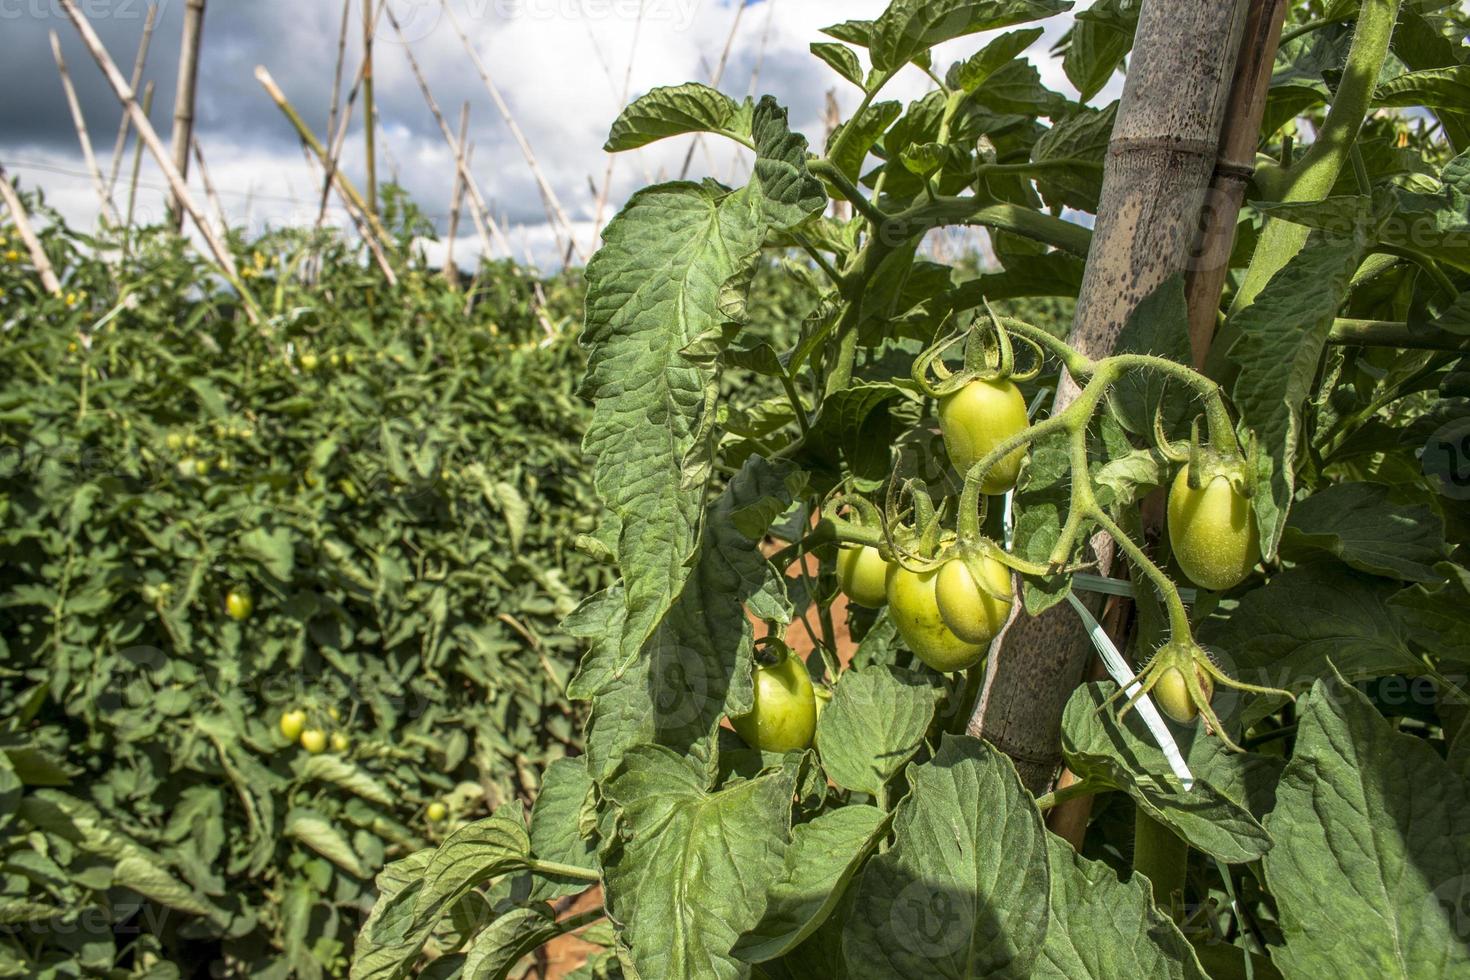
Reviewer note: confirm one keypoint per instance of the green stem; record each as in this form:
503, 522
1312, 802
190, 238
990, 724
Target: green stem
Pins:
1392, 333
796, 405
1081, 787
1311, 178
1026, 222
1424, 262
849, 190
1159, 855
563, 870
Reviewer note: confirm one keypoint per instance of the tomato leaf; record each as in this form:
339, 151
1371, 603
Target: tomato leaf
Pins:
1373, 835
875, 724
909, 28
677, 109
689, 868
1357, 523
962, 892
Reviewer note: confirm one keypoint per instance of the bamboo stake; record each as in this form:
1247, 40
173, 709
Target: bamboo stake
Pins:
549, 198
137, 169
335, 154
607, 174
337, 71
155, 146
755, 74
28, 236
83, 137
368, 109
456, 203
1233, 170
1160, 160
139, 62
209, 191
188, 81
714, 82
348, 189
456, 146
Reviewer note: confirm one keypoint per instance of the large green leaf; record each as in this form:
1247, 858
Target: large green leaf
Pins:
909, 28
556, 824
1439, 615
1280, 341
875, 724
963, 890
688, 870
1371, 871
677, 109
1357, 523
821, 860
653, 333
1102, 928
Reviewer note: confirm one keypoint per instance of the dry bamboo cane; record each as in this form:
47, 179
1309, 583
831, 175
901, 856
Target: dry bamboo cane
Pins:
1233, 171
1160, 160
456, 146
347, 188
28, 235
155, 146
344, 124
336, 104
368, 109
188, 81
607, 174
137, 170
209, 191
456, 202
140, 61
83, 137
555, 212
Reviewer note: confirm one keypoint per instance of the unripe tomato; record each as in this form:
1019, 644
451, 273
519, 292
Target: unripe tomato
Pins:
174, 441
436, 812
970, 612
186, 467
1212, 532
1172, 694
292, 722
308, 362
862, 575
238, 605
976, 419
914, 606
314, 740
784, 716
340, 742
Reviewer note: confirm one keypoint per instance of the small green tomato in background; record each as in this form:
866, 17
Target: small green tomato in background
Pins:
784, 716
314, 740
862, 575
976, 419
914, 606
174, 441
292, 722
340, 742
1212, 532
971, 613
1172, 694
436, 812
309, 362
239, 605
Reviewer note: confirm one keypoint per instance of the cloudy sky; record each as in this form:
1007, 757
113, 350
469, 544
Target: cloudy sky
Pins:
560, 65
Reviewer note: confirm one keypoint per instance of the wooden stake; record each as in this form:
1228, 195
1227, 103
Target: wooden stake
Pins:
183, 135
1160, 160
456, 203
155, 146
139, 62
368, 109
137, 169
549, 198
28, 236
83, 137
714, 82
209, 192
1233, 170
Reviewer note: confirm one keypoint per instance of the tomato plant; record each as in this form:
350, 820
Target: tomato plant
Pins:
884, 415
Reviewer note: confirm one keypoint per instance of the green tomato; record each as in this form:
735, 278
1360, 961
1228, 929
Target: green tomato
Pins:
340, 742
914, 605
976, 419
292, 722
1212, 533
309, 362
862, 575
174, 441
187, 467
436, 812
784, 717
314, 740
970, 612
1172, 694
239, 605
